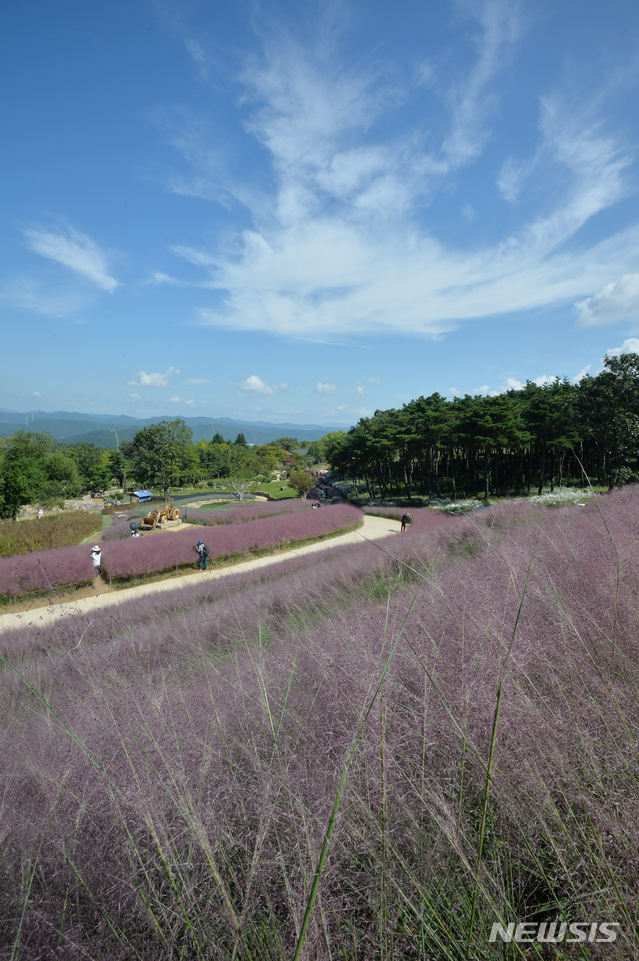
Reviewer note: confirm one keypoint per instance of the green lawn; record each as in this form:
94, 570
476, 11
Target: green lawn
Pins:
273, 488
223, 486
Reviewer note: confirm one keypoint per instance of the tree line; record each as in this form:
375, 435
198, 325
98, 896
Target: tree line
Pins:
514, 442
34, 469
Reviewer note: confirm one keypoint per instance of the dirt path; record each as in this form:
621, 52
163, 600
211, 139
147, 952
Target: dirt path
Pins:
101, 596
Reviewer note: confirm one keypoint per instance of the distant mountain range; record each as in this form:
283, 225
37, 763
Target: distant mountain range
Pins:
101, 429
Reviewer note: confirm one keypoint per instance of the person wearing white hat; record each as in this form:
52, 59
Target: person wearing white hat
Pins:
96, 557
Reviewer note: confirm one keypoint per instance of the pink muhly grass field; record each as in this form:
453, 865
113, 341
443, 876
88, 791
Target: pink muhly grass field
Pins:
42, 570
215, 724
161, 552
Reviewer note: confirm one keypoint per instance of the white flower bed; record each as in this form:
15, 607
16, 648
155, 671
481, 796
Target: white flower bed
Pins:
562, 495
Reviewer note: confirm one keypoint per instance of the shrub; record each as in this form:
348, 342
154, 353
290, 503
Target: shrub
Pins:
46, 533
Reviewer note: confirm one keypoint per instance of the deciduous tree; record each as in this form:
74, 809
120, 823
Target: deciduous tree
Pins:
301, 481
164, 455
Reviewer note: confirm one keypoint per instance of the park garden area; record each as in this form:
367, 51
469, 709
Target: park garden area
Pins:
376, 752
248, 531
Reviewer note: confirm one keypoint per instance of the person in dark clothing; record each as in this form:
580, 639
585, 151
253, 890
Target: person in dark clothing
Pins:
203, 551
405, 521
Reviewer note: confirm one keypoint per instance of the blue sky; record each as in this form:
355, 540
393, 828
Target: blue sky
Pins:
305, 212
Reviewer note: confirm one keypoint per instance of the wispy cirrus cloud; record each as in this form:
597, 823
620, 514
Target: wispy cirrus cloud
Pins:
474, 98
62, 300
200, 258
74, 250
342, 240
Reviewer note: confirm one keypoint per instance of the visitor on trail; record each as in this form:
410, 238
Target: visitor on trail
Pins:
405, 521
203, 551
133, 528
96, 557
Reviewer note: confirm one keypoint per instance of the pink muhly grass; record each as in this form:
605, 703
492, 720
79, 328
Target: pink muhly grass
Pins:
215, 735
43, 570
166, 550
421, 518
248, 512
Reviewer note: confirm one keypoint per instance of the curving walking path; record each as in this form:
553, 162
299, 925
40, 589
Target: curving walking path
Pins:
373, 528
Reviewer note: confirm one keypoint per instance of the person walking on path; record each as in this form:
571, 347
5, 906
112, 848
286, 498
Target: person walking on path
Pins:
96, 557
203, 551
405, 521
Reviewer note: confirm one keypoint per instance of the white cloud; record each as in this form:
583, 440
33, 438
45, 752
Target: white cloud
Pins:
333, 274
629, 346
473, 98
616, 301
132, 398
256, 385
36, 393
175, 400
357, 390
198, 257
161, 278
75, 250
192, 381
325, 387
347, 242
153, 380
511, 178
59, 301
512, 384
584, 370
